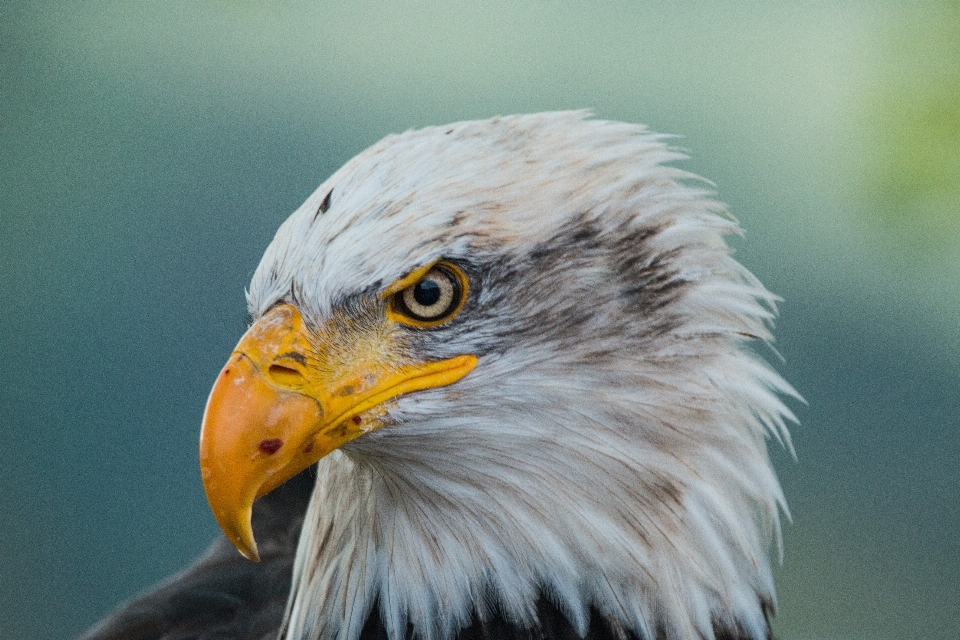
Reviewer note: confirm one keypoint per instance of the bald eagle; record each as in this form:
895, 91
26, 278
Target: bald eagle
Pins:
507, 365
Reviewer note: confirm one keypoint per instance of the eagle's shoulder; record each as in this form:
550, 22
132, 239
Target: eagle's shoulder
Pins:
223, 595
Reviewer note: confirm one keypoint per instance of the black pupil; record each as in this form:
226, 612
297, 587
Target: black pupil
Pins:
426, 292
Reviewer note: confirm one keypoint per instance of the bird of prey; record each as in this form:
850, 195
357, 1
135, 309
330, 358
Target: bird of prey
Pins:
509, 366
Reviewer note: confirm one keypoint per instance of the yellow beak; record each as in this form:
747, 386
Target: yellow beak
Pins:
283, 401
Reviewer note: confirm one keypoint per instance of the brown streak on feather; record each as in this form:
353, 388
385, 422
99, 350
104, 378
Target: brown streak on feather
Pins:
324, 205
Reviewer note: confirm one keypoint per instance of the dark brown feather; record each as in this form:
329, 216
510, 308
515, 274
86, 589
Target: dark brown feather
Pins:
551, 625
223, 595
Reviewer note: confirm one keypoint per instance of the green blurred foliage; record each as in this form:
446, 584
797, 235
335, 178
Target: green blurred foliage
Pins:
913, 159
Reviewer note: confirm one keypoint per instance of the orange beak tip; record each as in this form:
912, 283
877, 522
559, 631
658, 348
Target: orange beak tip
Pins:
247, 551
239, 531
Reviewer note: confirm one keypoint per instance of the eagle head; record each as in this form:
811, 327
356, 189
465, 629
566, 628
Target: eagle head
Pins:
518, 352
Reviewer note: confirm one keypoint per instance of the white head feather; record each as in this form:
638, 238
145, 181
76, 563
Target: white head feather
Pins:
607, 452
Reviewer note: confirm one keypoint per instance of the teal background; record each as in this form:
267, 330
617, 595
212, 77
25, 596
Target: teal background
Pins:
148, 152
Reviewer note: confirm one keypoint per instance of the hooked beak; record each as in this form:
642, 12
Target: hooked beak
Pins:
281, 404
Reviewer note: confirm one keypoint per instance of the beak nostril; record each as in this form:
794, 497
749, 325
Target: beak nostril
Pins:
285, 376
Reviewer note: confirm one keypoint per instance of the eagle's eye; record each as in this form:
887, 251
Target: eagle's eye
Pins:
434, 298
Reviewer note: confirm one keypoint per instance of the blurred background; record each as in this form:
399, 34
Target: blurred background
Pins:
148, 152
